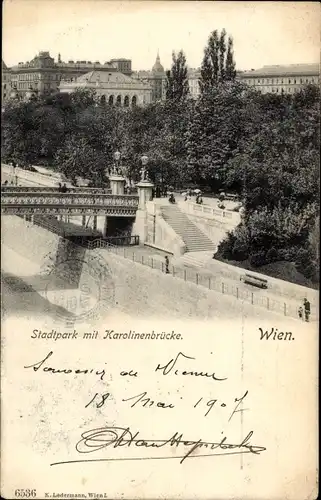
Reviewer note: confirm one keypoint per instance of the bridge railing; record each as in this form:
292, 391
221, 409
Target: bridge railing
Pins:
114, 241
52, 189
57, 202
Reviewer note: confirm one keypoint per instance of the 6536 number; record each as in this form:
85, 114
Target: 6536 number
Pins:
22, 493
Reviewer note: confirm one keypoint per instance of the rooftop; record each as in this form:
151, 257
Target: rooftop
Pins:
289, 69
105, 77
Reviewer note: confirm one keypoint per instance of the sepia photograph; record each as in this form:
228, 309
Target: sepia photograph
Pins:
160, 249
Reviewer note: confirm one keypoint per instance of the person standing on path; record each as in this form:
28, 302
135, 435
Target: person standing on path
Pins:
307, 309
300, 312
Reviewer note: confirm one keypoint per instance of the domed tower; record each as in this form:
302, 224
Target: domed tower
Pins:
158, 68
158, 80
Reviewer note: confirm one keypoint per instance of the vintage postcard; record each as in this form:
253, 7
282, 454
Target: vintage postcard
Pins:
160, 250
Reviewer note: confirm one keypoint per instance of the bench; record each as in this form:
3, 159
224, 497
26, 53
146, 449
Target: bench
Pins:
232, 197
254, 280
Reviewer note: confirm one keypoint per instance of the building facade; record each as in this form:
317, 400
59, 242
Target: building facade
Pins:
5, 82
277, 79
123, 65
43, 74
111, 88
193, 82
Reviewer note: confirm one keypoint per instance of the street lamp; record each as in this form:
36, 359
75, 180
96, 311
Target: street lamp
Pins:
144, 160
117, 159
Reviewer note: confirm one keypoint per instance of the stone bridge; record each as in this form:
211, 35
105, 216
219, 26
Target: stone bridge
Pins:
31, 202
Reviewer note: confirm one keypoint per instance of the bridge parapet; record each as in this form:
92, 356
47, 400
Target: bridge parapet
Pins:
78, 203
53, 189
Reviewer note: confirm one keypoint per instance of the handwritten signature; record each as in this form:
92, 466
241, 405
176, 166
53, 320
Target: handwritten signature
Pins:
103, 437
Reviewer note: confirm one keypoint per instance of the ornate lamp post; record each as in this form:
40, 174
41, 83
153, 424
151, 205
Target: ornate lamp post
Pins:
143, 172
116, 179
117, 162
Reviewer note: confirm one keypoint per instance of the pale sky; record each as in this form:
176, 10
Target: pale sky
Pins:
100, 30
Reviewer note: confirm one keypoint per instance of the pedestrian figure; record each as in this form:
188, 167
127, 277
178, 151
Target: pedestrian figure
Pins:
167, 264
300, 312
64, 188
307, 309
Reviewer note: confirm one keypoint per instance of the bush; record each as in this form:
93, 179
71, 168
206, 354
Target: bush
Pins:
258, 259
272, 255
289, 254
304, 263
225, 248
240, 251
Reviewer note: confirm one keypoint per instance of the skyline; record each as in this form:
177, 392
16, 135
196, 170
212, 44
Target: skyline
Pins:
263, 34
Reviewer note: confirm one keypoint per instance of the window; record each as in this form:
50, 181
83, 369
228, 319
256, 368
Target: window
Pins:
126, 101
111, 100
118, 100
294, 80
134, 100
289, 80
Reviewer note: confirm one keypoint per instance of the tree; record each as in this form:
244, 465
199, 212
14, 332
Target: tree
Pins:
218, 64
214, 133
230, 72
277, 169
78, 158
176, 79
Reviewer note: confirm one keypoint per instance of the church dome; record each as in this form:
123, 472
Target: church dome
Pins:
158, 68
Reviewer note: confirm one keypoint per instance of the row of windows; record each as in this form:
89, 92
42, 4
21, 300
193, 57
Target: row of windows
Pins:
279, 90
273, 81
30, 77
26, 85
118, 101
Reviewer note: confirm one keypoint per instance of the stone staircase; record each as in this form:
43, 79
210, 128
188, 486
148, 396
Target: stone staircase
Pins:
193, 237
